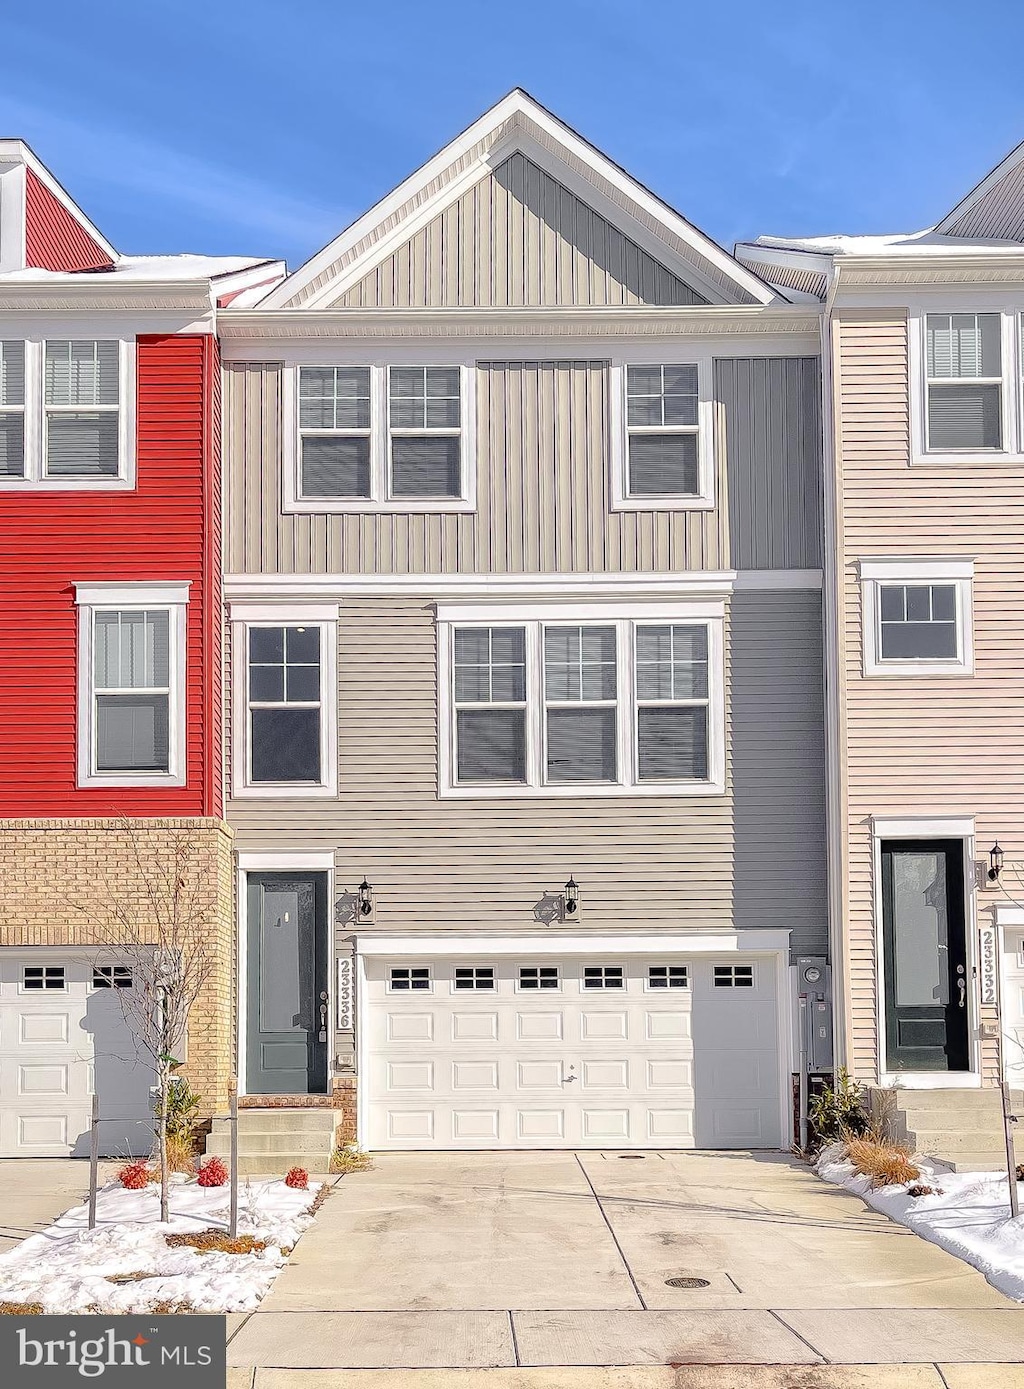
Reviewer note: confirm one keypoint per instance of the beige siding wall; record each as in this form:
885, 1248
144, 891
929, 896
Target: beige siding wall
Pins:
941, 745
518, 238
543, 491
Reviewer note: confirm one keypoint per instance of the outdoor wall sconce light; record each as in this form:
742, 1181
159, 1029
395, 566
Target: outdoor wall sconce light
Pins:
995, 862
365, 898
571, 897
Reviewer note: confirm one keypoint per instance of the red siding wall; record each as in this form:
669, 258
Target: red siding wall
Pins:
168, 528
54, 240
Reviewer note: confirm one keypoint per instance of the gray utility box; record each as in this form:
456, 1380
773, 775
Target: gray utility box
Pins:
814, 981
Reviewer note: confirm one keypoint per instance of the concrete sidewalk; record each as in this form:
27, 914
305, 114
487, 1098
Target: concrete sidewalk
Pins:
929, 1376
512, 1267
35, 1191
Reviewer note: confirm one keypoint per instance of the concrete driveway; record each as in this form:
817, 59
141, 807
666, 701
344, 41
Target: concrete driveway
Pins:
475, 1261
34, 1192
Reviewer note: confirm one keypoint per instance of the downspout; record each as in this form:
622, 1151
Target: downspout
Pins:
835, 720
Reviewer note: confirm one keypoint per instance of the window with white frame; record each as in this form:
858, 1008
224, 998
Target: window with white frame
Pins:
733, 976
66, 413
556, 706
285, 705
603, 977
403, 978
668, 977
43, 977
917, 617
132, 684
662, 449
964, 382
12, 409
474, 976
538, 977
371, 437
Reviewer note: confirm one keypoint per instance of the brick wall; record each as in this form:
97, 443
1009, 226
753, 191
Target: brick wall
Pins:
77, 881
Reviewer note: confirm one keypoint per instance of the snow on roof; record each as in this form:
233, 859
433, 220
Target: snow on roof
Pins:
921, 243
148, 269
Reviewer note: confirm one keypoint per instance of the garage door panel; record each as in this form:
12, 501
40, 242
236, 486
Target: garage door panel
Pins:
581, 1067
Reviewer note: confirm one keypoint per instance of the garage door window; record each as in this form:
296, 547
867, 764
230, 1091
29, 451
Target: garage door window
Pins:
43, 977
668, 977
402, 979
734, 976
474, 977
111, 977
538, 977
602, 977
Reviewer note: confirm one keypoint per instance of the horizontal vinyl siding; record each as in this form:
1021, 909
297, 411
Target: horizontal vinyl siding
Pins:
518, 238
769, 428
778, 765
943, 745
643, 862
542, 479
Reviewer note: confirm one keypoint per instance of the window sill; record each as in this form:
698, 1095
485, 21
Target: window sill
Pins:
298, 791
367, 506
993, 459
67, 484
916, 671
665, 503
581, 789
113, 780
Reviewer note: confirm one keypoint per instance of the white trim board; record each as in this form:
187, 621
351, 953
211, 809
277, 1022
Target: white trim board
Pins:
747, 942
314, 861
923, 827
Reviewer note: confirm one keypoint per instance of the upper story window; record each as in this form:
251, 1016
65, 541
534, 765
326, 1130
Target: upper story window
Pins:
964, 382
554, 706
66, 414
379, 438
917, 616
285, 704
131, 684
662, 441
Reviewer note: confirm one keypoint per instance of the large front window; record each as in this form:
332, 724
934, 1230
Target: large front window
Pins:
560, 706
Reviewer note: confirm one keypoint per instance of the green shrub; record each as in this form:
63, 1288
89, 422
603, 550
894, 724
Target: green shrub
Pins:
837, 1111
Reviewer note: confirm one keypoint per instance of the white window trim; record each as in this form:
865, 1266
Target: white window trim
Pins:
1012, 408
874, 573
410, 992
243, 617
556, 988
704, 498
380, 499
172, 597
619, 989
43, 990
474, 988
668, 987
624, 616
35, 479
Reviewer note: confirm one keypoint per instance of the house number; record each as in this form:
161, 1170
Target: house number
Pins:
345, 1010
987, 963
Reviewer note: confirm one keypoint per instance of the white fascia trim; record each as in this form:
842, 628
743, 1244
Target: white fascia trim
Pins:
319, 860
897, 568
515, 611
96, 595
767, 942
290, 588
754, 579
922, 827
12, 216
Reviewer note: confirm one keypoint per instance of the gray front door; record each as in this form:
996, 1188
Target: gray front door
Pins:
286, 1052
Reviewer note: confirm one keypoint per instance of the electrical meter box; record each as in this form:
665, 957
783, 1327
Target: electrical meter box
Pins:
814, 981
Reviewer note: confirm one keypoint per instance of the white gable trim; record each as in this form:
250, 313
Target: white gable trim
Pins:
493, 133
17, 152
996, 175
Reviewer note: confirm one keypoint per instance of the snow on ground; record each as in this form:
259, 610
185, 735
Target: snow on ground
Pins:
66, 1267
971, 1218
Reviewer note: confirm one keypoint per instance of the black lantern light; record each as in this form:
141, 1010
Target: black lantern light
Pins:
572, 897
995, 862
365, 898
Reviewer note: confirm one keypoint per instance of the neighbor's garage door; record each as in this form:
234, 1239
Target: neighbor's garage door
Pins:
62, 1033
571, 1053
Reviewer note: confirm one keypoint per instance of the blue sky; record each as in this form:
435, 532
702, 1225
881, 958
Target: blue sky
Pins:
264, 127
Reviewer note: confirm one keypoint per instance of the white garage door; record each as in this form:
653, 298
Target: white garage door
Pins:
62, 1034
571, 1053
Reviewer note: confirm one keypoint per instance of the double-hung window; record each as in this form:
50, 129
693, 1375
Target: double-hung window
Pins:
379, 438
67, 413
662, 436
964, 382
596, 705
284, 711
131, 715
917, 616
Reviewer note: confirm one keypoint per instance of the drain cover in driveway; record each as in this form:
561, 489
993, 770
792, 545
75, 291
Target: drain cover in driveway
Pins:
687, 1283
637, 1157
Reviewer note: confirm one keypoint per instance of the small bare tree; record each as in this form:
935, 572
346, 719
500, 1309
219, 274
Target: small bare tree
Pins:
157, 923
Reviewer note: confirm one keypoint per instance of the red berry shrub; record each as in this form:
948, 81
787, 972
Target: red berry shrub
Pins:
297, 1177
134, 1176
213, 1173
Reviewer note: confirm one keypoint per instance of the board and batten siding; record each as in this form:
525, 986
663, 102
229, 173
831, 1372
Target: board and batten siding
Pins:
937, 745
651, 863
517, 238
543, 483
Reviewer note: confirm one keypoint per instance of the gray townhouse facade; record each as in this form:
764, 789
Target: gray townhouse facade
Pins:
523, 562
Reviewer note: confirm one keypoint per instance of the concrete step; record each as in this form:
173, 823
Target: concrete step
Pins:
960, 1101
969, 1139
280, 1121
281, 1143
299, 1155
987, 1160
264, 1165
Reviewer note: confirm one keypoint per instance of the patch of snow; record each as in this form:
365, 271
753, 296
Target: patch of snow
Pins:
927, 242
145, 269
969, 1216
66, 1267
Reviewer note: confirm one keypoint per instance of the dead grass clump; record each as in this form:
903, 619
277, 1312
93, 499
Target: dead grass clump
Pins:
319, 1199
349, 1158
181, 1153
170, 1309
921, 1189
21, 1309
887, 1164
217, 1242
